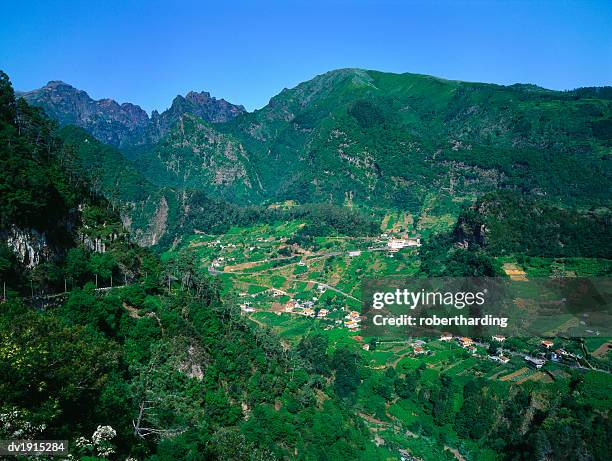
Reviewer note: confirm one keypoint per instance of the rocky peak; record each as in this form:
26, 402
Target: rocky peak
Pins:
52, 84
199, 98
204, 106
126, 124
105, 119
200, 104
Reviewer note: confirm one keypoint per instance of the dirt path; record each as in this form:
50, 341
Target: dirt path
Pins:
514, 272
396, 361
373, 420
455, 452
132, 311
329, 287
518, 372
258, 322
602, 350
237, 268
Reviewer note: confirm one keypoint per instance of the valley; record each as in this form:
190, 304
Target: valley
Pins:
299, 292
241, 241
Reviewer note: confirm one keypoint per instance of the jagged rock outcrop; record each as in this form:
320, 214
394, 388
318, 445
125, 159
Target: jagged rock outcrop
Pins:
201, 105
30, 246
108, 121
124, 125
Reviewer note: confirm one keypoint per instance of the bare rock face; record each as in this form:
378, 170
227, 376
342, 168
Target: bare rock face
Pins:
124, 125
108, 121
201, 105
30, 246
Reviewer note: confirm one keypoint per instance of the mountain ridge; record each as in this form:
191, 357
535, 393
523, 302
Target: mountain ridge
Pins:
381, 140
125, 124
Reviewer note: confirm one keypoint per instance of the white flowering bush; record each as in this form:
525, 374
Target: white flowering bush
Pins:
100, 443
16, 424
103, 434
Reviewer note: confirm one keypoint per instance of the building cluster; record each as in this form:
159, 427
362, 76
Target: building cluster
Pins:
352, 320
300, 307
557, 355
536, 362
418, 347
499, 356
275, 292
306, 308
464, 342
561, 355
467, 344
396, 244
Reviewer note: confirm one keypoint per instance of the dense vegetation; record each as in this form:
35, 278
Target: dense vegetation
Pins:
175, 371
533, 422
389, 139
172, 365
506, 223
368, 139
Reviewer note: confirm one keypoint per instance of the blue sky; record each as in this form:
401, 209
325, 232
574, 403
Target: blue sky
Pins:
146, 52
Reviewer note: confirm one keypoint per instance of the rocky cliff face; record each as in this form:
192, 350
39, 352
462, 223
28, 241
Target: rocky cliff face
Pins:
194, 155
124, 125
108, 121
29, 245
201, 105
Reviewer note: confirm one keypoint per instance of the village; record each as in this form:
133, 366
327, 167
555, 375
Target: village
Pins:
274, 276
298, 290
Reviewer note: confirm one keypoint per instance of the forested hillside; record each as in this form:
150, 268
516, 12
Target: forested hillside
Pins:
375, 140
365, 137
157, 368
234, 337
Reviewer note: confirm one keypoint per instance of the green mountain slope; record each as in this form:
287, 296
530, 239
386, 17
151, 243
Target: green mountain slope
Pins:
145, 208
371, 139
194, 155
390, 137
377, 139
158, 368
48, 208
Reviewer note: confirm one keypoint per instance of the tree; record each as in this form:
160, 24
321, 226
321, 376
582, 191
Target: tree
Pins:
7, 99
345, 362
77, 265
313, 349
229, 444
102, 265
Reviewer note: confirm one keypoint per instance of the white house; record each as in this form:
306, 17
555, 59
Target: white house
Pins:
397, 244
500, 358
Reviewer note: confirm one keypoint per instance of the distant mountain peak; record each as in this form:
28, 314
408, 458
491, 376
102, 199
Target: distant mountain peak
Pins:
56, 83
124, 124
200, 104
201, 97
